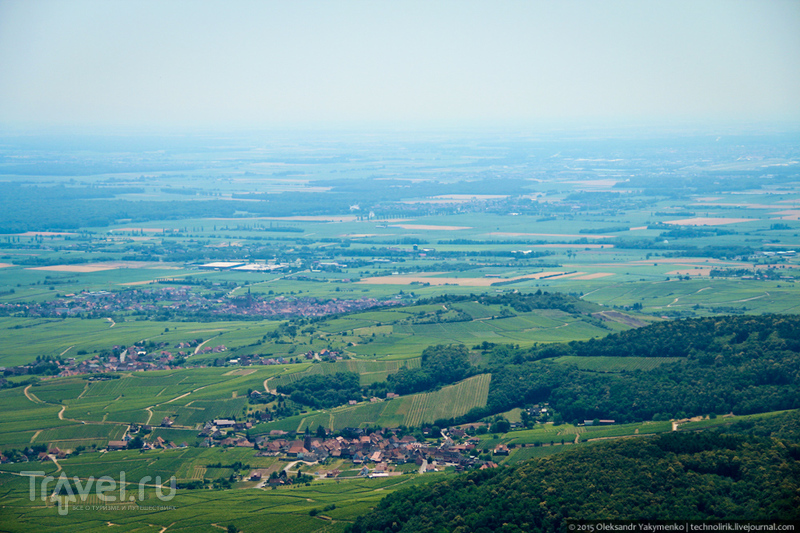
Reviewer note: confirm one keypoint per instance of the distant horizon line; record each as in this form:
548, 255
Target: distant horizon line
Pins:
516, 127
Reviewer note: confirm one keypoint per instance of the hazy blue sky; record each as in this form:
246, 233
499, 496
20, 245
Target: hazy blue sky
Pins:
264, 64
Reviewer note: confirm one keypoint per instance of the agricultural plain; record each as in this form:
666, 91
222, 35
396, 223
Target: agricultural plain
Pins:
138, 301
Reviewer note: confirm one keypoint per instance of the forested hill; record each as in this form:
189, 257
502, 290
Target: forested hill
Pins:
739, 364
677, 476
683, 338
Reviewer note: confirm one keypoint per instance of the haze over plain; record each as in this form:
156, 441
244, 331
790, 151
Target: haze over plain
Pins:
152, 65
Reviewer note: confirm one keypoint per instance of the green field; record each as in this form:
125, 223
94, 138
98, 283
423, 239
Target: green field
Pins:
72, 412
250, 510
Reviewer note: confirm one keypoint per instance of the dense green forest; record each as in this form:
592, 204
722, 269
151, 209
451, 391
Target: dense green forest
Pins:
441, 365
324, 391
727, 364
687, 338
749, 472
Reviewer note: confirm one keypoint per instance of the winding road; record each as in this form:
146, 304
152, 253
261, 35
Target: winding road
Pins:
31, 396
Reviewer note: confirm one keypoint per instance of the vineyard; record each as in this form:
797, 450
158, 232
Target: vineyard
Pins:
412, 410
452, 401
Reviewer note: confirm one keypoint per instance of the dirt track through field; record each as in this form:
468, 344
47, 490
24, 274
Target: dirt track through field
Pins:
199, 346
29, 395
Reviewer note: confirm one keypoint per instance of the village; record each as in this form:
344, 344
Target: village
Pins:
137, 358
370, 453
168, 300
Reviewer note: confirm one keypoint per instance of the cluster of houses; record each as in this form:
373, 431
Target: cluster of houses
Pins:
376, 452
52, 453
105, 302
323, 355
282, 306
221, 432
132, 359
156, 444
137, 359
184, 299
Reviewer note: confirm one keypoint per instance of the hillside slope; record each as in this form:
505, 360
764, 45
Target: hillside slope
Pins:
678, 476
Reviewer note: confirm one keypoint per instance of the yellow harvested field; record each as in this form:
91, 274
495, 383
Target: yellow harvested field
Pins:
708, 221
309, 218
506, 234
463, 282
428, 227
681, 260
596, 275
539, 275
783, 245
121, 237
284, 188
42, 233
470, 196
571, 245
362, 235
75, 268
789, 214
454, 198
605, 183
742, 205
148, 230
638, 228
5, 265
684, 261
99, 267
